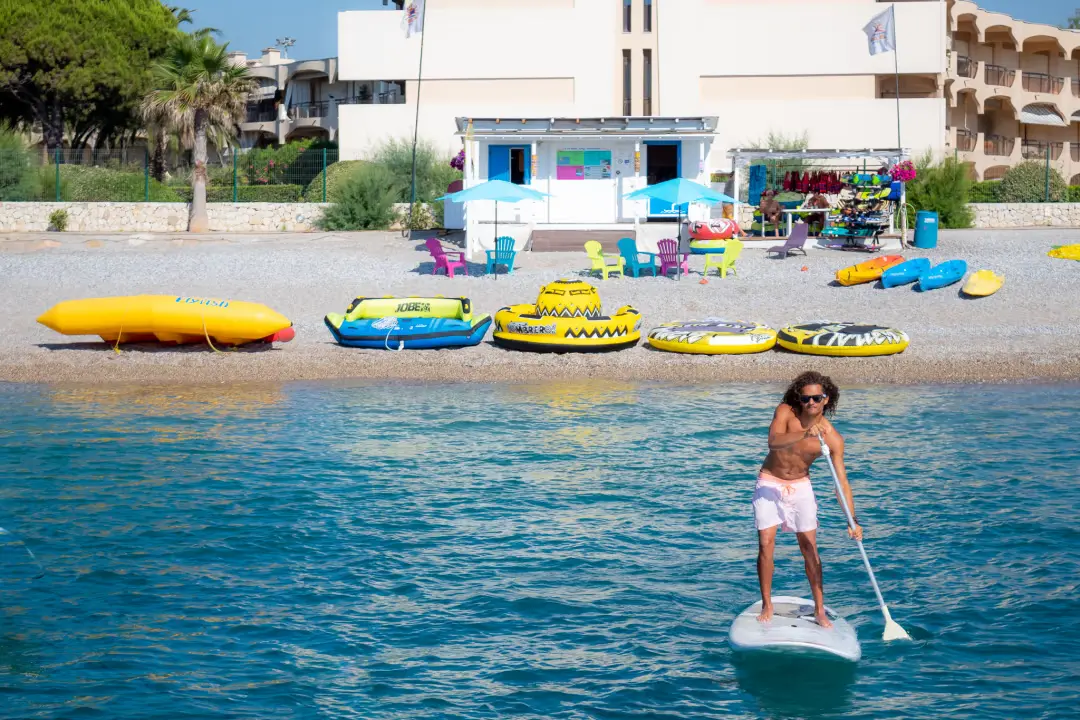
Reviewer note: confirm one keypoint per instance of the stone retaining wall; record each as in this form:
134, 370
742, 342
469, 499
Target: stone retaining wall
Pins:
161, 217
1013, 215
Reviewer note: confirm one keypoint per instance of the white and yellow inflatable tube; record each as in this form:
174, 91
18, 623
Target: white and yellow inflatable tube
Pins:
713, 336
842, 339
567, 317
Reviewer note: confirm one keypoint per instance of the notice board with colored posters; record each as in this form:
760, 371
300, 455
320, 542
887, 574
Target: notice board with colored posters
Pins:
583, 165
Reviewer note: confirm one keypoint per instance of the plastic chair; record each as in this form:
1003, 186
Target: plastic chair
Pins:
628, 249
794, 243
670, 258
503, 254
725, 262
442, 260
604, 262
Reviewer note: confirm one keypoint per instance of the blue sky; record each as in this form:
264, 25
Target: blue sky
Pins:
251, 25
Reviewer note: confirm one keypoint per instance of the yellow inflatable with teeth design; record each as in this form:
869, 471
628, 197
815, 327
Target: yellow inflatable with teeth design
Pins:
567, 317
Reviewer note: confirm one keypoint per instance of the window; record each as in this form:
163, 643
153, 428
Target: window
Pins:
626, 110
646, 21
646, 82
627, 11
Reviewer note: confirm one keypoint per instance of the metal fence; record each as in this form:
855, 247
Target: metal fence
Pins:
1040, 182
271, 175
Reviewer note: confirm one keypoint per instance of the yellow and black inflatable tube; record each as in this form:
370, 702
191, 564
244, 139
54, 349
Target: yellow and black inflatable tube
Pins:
713, 336
567, 317
842, 339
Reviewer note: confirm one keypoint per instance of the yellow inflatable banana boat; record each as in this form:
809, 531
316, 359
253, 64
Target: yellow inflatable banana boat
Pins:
567, 317
169, 319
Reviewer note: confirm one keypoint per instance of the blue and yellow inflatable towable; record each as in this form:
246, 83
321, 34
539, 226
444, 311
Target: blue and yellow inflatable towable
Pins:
567, 317
409, 323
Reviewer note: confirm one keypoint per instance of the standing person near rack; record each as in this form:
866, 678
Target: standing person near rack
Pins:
783, 496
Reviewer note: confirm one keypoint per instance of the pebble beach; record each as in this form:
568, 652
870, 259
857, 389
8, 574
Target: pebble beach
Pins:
1026, 332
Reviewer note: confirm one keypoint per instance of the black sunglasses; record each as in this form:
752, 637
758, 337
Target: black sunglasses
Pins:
816, 398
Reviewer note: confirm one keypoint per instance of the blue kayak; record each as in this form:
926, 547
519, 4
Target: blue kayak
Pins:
394, 333
939, 276
906, 272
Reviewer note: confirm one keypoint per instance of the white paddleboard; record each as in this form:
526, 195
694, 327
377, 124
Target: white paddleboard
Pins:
794, 630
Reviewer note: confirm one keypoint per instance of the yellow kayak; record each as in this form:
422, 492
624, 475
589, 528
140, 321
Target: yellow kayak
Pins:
867, 271
168, 318
1065, 252
983, 283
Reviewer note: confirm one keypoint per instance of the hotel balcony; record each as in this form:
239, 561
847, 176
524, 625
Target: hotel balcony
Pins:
999, 75
1037, 149
966, 67
998, 145
966, 140
1043, 83
309, 110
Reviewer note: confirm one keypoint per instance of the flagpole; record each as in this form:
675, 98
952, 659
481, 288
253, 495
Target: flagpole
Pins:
416, 119
896, 76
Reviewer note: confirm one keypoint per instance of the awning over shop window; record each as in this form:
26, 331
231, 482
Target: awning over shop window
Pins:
1039, 114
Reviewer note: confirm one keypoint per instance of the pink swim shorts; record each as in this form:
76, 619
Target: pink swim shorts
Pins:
787, 503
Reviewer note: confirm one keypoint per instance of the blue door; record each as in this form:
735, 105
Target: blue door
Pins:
663, 161
511, 163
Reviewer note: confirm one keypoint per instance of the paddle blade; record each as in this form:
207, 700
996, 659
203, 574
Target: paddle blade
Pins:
893, 631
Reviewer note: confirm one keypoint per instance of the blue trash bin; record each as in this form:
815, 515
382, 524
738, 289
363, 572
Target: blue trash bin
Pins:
926, 224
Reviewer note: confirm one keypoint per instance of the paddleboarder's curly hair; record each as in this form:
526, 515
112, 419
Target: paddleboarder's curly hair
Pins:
791, 395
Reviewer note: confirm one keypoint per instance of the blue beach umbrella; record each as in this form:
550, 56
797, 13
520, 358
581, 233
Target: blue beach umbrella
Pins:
680, 191
497, 190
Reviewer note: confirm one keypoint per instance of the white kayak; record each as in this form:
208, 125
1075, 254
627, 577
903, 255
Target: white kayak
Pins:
793, 630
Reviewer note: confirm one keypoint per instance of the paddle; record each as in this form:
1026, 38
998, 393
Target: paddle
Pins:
893, 631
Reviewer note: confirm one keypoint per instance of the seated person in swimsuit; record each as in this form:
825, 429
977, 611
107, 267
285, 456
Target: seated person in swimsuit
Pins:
783, 497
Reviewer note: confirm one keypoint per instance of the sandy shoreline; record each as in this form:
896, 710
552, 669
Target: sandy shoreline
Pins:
1027, 332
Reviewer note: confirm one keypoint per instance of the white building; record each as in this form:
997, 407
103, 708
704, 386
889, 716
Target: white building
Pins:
786, 67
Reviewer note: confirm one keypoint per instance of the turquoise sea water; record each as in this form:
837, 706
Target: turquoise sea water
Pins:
542, 551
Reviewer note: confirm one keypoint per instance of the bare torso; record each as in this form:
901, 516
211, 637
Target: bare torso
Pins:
793, 462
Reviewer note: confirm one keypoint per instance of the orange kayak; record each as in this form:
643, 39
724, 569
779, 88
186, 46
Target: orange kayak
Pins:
867, 271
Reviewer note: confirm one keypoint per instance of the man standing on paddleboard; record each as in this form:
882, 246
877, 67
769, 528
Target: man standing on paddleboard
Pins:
783, 497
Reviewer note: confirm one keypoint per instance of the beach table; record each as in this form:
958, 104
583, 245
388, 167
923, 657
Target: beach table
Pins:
798, 211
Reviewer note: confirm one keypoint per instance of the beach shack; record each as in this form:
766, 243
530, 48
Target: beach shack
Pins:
585, 166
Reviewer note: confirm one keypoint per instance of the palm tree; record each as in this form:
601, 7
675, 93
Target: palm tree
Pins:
200, 90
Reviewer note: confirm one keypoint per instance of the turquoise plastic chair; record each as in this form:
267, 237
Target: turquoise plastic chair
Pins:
628, 249
503, 254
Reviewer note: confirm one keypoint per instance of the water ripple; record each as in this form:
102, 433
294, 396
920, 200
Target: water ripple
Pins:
537, 551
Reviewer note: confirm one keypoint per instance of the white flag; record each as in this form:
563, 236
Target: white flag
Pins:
881, 32
414, 18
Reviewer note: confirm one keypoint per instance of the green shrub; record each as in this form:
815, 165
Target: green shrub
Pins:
944, 188
1026, 183
336, 175
365, 201
295, 163
433, 171
80, 183
1074, 193
247, 193
58, 220
17, 176
984, 192
421, 217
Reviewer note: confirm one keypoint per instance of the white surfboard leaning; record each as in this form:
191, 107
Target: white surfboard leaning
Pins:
794, 630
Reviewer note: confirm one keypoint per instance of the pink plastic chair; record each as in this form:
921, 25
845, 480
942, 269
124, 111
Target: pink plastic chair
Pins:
442, 260
669, 258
